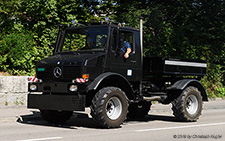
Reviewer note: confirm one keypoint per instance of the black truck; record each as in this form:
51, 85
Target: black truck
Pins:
88, 69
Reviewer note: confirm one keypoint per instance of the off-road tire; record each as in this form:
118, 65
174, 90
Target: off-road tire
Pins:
138, 110
109, 107
56, 117
188, 105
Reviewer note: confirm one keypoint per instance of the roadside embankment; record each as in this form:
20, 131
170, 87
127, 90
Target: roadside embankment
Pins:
13, 90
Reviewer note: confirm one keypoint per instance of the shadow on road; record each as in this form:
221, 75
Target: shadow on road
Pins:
82, 120
77, 120
149, 118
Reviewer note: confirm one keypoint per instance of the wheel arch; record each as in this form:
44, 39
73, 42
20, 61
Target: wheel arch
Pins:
112, 79
182, 84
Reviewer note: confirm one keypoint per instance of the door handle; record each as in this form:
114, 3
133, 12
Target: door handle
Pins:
133, 61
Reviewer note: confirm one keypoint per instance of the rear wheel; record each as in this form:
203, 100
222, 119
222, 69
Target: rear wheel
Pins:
56, 117
109, 107
188, 106
139, 110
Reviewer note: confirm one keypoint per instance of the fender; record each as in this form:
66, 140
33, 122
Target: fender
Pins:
124, 83
182, 84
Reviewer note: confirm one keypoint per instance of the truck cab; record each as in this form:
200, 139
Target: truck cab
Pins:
88, 69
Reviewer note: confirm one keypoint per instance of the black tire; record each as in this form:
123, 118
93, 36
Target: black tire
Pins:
188, 106
109, 107
56, 117
139, 110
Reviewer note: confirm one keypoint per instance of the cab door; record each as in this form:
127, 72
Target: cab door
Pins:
118, 63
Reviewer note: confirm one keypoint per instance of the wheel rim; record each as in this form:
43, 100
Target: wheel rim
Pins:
192, 104
113, 108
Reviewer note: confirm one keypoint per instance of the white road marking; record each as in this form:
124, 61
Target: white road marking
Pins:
42, 139
179, 127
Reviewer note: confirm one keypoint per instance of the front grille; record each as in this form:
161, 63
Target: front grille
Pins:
68, 73
71, 72
47, 74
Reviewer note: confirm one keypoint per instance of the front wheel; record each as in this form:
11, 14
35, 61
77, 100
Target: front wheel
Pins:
188, 106
109, 107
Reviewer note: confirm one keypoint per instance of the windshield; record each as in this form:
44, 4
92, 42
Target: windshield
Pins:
92, 38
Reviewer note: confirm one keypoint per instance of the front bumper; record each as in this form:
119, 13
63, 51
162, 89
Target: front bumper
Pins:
56, 96
56, 87
56, 102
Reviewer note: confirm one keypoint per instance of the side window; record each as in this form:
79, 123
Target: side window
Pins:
122, 39
127, 40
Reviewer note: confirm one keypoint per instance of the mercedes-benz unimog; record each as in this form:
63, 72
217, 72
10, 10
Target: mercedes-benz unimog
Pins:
88, 69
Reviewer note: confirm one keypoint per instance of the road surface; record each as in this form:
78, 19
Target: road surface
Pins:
159, 125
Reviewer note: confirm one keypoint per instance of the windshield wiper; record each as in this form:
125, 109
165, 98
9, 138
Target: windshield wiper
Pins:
76, 53
69, 52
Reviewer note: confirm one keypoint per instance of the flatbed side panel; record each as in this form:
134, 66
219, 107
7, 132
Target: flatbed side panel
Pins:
186, 67
161, 66
56, 102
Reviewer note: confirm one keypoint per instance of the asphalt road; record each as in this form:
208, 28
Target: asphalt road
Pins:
158, 125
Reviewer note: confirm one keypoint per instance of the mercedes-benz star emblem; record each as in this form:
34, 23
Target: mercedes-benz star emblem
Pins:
57, 72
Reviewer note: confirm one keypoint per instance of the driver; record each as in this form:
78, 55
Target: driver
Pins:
126, 49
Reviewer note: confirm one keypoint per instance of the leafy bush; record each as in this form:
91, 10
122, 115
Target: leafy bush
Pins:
19, 53
214, 81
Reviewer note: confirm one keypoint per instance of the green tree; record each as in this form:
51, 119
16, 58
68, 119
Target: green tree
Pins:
38, 21
8, 12
19, 54
172, 28
181, 29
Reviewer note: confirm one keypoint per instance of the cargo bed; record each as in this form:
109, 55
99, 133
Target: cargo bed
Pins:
163, 66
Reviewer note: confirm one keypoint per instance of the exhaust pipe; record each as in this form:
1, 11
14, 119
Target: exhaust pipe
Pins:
154, 98
141, 35
141, 41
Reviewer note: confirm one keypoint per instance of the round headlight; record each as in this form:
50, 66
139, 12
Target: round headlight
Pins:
73, 88
33, 87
